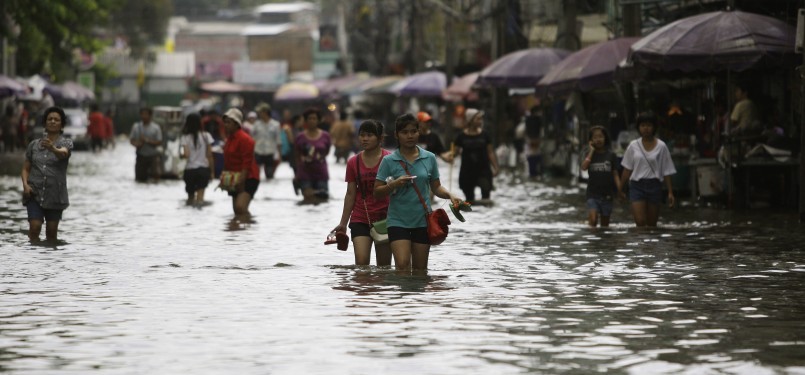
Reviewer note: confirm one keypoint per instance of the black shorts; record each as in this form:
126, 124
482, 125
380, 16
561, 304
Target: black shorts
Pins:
416, 235
196, 179
251, 187
359, 230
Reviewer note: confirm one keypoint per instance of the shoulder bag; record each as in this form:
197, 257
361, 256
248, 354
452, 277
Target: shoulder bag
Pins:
378, 230
436, 220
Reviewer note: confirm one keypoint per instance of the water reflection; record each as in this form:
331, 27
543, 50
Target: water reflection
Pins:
142, 282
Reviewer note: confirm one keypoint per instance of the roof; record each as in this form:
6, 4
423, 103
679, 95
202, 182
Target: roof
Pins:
214, 28
261, 29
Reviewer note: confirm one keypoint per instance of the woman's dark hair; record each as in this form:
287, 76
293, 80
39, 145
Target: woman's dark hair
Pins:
295, 118
192, 125
404, 120
311, 111
61, 114
649, 117
373, 127
607, 140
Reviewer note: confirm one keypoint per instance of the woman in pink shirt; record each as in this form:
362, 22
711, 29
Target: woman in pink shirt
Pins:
361, 208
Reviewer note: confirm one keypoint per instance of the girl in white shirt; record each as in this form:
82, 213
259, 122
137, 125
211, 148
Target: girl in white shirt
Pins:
197, 149
646, 165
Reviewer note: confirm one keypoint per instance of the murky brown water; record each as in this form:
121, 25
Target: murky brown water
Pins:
142, 284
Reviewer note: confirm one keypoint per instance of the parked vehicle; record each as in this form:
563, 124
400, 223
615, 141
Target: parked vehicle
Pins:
171, 120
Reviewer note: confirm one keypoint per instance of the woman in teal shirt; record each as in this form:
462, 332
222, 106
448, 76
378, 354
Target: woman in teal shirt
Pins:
407, 227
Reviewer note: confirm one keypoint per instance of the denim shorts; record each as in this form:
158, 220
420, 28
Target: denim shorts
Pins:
36, 212
603, 206
416, 235
647, 189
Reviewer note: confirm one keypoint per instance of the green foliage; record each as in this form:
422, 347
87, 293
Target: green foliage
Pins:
143, 22
49, 30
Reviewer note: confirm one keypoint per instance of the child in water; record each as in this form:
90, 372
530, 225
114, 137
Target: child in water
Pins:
604, 180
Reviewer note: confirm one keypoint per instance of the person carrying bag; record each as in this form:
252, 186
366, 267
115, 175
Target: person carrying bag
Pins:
402, 176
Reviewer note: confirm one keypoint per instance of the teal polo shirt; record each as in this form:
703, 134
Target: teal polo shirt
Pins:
405, 208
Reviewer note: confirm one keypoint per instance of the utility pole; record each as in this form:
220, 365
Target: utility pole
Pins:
801, 37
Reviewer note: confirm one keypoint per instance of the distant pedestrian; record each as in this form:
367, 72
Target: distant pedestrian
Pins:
361, 208
646, 165
343, 135
312, 147
267, 140
603, 182
410, 164
248, 123
96, 130
239, 159
429, 140
109, 124
146, 136
8, 129
44, 176
196, 146
479, 164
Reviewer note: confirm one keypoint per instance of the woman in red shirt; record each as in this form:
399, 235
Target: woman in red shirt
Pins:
361, 208
239, 157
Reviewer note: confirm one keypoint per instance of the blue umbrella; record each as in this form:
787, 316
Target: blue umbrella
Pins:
522, 68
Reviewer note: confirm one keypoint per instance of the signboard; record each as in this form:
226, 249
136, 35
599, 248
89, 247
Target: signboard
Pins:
263, 73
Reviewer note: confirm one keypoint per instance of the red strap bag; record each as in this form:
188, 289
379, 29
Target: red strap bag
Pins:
436, 220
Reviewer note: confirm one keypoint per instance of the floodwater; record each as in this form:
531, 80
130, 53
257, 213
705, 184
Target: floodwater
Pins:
142, 284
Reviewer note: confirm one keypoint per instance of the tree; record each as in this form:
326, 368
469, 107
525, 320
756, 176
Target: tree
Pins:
142, 22
49, 31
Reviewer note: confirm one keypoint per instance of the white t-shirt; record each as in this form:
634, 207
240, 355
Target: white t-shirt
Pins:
656, 163
197, 153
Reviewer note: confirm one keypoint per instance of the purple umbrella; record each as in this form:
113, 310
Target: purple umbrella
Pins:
9, 86
716, 41
587, 69
296, 92
521, 68
421, 84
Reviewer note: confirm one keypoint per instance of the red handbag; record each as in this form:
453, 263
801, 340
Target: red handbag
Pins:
436, 220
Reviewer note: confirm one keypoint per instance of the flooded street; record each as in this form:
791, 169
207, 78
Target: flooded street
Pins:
142, 284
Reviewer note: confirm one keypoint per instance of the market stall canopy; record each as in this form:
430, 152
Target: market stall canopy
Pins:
73, 90
587, 69
522, 68
225, 87
10, 86
296, 91
421, 84
378, 85
341, 85
461, 88
726, 40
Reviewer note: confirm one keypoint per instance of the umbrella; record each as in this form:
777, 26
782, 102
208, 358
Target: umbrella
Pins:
522, 68
224, 87
462, 87
421, 84
73, 90
716, 41
9, 86
587, 69
334, 87
296, 91
378, 85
